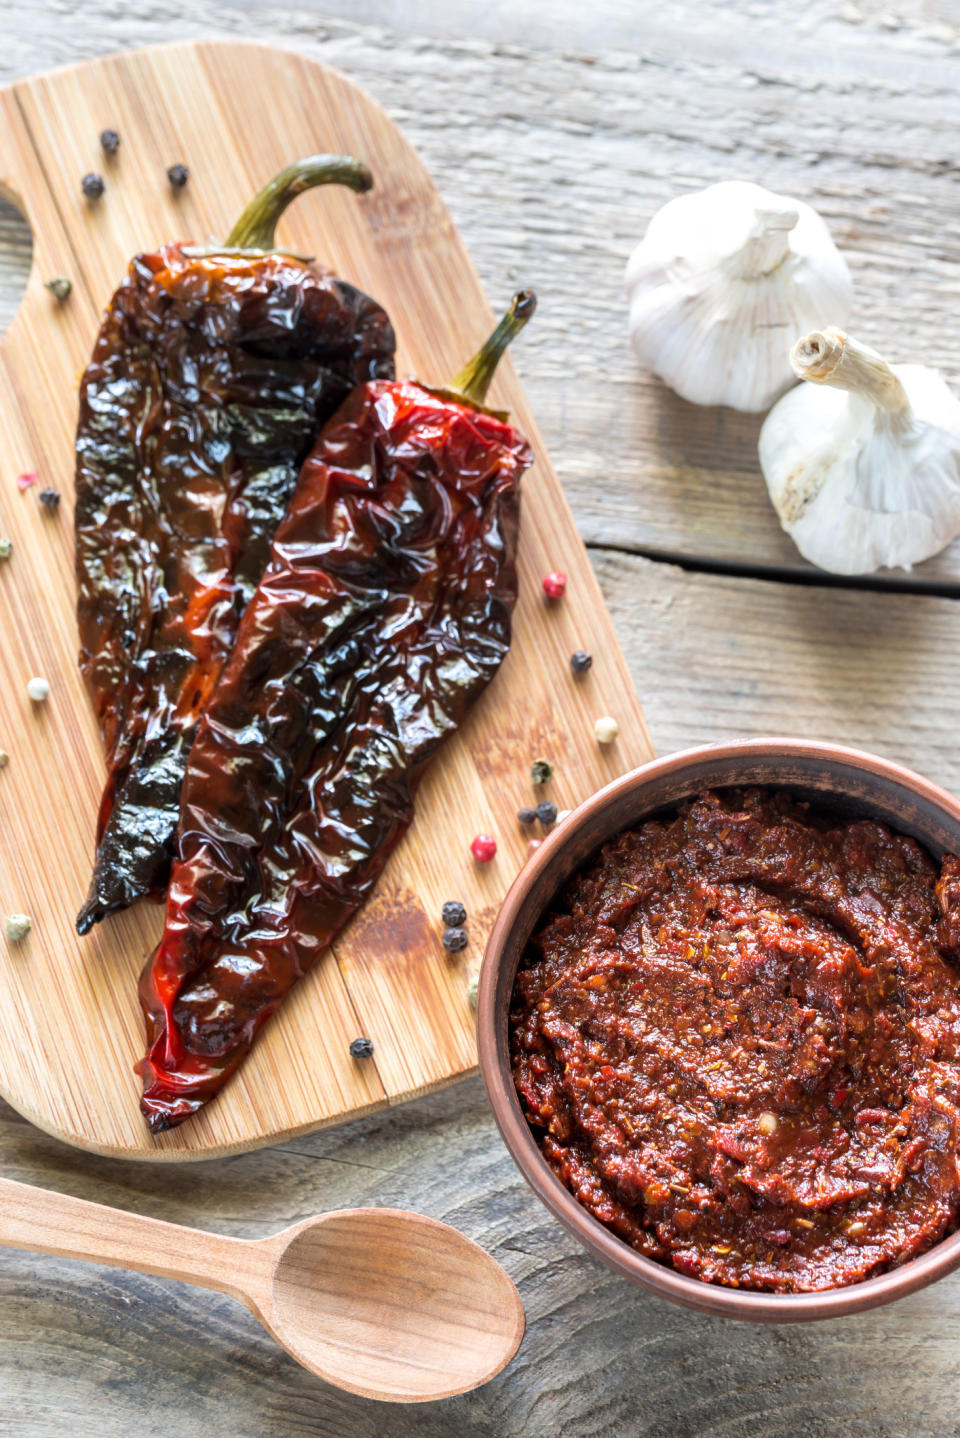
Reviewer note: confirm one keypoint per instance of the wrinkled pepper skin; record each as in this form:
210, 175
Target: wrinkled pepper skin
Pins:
211, 376
384, 614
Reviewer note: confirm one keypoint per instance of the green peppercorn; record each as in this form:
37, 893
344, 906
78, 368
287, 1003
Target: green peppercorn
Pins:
454, 939
60, 287
454, 914
472, 988
526, 816
93, 186
17, 927
361, 1049
547, 813
6, 548
178, 175
541, 771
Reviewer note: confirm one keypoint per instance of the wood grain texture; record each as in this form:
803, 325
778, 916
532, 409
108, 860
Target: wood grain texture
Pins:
117, 1354
558, 135
501, 99
235, 114
721, 657
599, 1359
380, 1302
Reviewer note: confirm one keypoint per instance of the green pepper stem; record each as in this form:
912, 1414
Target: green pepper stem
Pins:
256, 227
473, 381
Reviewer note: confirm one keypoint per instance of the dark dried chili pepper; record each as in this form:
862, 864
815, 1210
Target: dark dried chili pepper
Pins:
384, 613
212, 374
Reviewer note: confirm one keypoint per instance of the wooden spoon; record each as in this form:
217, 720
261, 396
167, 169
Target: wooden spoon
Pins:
378, 1301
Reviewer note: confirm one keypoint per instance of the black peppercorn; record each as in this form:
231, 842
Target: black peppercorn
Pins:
109, 142
580, 661
454, 939
526, 816
547, 813
541, 771
92, 186
178, 175
49, 498
361, 1049
453, 914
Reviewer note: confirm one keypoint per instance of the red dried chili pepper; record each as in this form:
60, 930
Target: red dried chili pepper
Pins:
212, 374
384, 613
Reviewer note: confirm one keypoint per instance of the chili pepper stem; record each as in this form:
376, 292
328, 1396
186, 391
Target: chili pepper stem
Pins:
256, 227
473, 381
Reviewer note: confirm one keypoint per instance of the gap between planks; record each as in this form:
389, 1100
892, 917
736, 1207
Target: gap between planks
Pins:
774, 574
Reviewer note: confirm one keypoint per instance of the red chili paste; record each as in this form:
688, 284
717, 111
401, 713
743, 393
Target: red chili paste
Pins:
740, 1039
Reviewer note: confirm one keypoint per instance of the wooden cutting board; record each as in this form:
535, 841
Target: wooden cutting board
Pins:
70, 1026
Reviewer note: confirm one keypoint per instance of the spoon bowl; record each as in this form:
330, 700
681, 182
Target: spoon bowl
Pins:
393, 1305
378, 1301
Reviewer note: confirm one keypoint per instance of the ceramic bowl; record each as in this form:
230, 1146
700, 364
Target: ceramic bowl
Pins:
844, 781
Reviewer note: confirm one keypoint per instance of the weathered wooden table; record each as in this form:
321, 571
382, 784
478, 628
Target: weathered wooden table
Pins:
554, 131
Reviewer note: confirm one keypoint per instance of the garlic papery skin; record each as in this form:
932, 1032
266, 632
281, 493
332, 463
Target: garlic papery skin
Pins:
863, 462
721, 284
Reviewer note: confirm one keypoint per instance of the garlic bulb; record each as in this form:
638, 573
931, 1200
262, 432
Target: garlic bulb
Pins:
863, 464
720, 285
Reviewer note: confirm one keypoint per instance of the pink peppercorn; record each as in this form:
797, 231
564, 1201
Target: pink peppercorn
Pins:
555, 584
483, 848
24, 481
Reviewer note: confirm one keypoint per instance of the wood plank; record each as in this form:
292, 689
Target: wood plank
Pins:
720, 658
592, 1343
552, 161
553, 171
235, 115
82, 1344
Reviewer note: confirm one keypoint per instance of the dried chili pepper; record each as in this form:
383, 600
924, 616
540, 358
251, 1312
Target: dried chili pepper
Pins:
384, 613
212, 374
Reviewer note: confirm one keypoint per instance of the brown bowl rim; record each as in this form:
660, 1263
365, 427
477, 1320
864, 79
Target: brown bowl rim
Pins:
657, 1278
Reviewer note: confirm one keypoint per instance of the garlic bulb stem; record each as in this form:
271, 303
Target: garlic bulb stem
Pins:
768, 243
830, 357
863, 463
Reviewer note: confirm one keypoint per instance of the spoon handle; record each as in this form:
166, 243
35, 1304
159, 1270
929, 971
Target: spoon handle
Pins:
42, 1221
